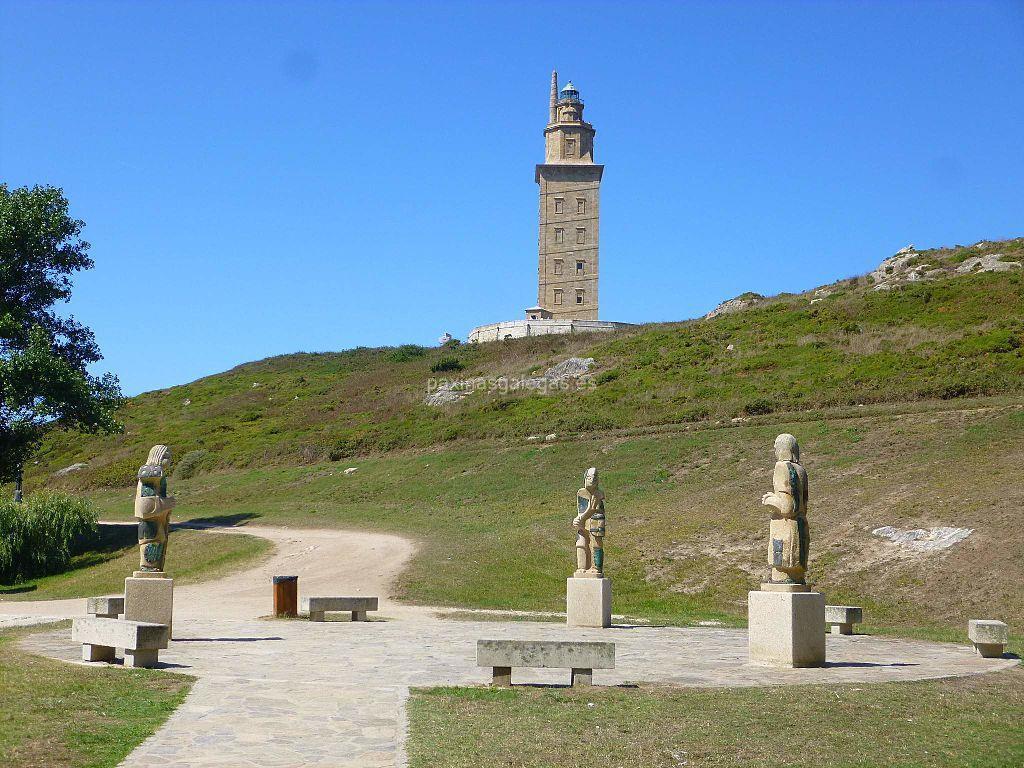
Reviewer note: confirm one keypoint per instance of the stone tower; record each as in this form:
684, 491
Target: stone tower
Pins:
569, 205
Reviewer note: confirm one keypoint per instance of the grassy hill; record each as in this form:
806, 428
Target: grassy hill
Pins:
909, 404
844, 345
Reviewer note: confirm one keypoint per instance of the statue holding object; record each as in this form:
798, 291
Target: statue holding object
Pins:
589, 527
789, 536
153, 509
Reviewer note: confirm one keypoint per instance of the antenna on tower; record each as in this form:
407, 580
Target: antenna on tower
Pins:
554, 94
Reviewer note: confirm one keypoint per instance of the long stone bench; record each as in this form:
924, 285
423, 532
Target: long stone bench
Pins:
989, 637
105, 607
841, 618
580, 657
140, 640
358, 606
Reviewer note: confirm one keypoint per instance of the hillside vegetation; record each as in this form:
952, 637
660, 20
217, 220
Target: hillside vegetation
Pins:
908, 402
956, 336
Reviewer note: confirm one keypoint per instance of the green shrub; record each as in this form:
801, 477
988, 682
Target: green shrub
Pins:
38, 536
406, 352
191, 464
605, 376
118, 474
447, 364
343, 448
759, 407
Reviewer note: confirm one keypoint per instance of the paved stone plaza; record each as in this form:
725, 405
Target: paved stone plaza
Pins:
290, 692
277, 693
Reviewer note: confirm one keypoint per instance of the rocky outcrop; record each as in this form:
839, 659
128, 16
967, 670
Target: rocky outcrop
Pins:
565, 375
734, 305
909, 266
993, 262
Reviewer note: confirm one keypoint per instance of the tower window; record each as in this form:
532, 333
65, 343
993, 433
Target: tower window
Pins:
570, 147
581, 267
559, 235
559, 205
581, 205
579, 297
581, 235
558, 266
558, 295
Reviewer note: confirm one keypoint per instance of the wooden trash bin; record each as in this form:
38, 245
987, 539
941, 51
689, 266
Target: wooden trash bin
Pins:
286, 596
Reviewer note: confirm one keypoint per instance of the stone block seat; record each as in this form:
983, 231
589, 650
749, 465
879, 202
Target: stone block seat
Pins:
841, 618
140, 640
580, 657
105, 607
989, 637
358, 606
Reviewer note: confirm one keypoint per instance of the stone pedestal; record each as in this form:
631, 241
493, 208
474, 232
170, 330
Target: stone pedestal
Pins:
149, 597
786, 628
588, 602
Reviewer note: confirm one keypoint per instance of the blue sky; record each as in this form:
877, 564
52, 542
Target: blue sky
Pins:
262, 178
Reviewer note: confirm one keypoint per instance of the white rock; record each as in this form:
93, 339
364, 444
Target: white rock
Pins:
73, 468
923, 539
351, 470
550, 438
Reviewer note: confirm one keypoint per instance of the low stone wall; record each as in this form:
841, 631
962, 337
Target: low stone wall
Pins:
518, 329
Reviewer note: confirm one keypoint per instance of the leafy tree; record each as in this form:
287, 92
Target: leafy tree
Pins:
43, 356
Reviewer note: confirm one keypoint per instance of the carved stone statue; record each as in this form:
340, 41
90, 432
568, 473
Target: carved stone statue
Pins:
153, 509
589, 526
789, 536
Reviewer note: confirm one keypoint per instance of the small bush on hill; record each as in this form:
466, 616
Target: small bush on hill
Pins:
406, 352
759, 407
447, 364
38, 536
191, 464
118, 474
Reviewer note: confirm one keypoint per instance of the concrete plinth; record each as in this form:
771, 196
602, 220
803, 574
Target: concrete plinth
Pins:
97, 652
588, 602
149, 598
786, 629
141, 658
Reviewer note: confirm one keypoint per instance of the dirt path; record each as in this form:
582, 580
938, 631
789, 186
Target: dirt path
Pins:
327, 562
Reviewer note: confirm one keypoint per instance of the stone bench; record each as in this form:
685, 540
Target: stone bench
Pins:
358, 606
989, 637
100, 636
841, 618
580, 657
105, 607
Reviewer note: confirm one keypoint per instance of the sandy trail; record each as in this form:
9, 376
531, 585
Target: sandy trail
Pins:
327, 562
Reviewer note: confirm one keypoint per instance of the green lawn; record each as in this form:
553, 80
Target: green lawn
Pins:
192, 556
56, 715
972, 721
